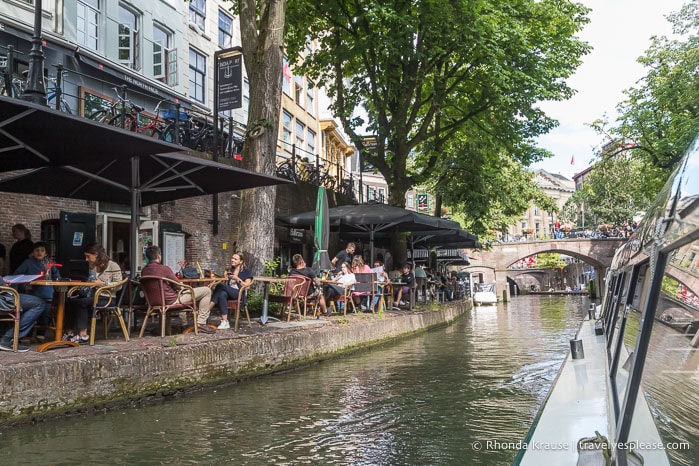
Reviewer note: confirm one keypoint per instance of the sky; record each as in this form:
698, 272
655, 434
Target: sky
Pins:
619, 32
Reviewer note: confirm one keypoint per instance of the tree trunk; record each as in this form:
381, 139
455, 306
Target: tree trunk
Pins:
263, 40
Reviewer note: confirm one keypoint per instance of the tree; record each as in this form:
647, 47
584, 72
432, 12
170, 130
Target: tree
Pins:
659, 117
422, 70
616, 189
262, 35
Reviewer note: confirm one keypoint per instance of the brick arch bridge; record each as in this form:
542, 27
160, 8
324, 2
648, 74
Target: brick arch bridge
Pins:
596, 252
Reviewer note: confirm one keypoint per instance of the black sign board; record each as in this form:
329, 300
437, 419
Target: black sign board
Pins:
296, 235
422, 202
229, 74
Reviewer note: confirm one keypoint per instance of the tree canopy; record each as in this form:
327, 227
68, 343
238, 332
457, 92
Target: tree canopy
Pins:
658, 119
443, 86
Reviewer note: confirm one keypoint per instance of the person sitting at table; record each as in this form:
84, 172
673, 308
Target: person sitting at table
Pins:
407, 279
22, 247
343, 280
358, 266
202, 294
238, 278
444, 287
37, 264
343, 256
300, 268
102, 271
31, 308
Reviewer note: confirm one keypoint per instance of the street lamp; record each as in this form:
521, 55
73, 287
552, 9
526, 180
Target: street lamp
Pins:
36, 91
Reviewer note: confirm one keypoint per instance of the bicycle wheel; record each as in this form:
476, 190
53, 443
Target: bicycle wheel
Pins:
150, 131
101, 116
129, 122
64, 107
169, 134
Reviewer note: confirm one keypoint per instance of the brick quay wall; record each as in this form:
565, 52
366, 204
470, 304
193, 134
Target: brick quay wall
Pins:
73, 380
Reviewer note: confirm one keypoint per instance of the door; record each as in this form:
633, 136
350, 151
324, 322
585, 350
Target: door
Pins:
75, 230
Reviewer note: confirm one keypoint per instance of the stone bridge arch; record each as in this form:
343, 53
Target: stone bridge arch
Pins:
596, 252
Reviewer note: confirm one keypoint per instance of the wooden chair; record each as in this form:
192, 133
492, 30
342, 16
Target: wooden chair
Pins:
365, 287
113, 294
10, 311
240, 302
288, 299
346, 299
154, 290
308, 301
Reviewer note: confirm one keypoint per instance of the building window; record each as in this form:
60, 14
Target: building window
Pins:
300, 135
197, 75
225, 30
129, 39
287, 119
246, 98
309, 96
524, 225
311, 141
87, 27
536, 210
197, 14
410, 201
382, 195
164, 57
298, 90
286, 77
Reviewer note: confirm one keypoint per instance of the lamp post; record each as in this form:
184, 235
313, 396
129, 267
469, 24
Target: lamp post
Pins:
36, 91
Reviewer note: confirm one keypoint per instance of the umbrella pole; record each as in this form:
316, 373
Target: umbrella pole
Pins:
133, 238
371, 244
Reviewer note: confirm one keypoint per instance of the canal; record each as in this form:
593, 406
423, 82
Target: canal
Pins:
422, 400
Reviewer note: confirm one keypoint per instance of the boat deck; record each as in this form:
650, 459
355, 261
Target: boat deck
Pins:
578, 405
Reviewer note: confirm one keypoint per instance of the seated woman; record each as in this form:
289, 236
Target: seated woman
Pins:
358, 266
102, 271
238, 278
345, 279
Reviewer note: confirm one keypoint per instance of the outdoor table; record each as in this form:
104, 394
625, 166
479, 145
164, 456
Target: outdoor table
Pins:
60, 288
205, 281
265, 302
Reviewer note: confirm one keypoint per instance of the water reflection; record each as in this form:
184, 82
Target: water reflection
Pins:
422, 400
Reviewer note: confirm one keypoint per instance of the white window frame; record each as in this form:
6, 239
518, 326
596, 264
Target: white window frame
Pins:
197, 75
132, 34
161, 53
311, 141
298, 90
222, 32
300, 135
197, 14
87, 11
287, 122
310, 96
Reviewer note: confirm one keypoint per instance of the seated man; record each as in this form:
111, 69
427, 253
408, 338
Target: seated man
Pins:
202, 294
300, 268
36, 264
31, 309
407, 279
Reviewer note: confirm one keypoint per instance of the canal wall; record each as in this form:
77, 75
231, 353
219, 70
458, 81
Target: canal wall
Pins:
74, 380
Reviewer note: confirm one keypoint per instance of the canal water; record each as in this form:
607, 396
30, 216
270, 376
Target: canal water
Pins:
423, 400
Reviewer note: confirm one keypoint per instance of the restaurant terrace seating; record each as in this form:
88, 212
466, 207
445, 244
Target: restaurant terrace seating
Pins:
11, 315
154, 290
240, 302
288, 298
365, 287
114, 294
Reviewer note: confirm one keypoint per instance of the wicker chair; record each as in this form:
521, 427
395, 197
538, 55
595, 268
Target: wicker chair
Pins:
11, 312
113, 294
154, 290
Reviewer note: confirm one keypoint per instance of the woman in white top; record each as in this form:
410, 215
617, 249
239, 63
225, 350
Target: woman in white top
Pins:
345, 279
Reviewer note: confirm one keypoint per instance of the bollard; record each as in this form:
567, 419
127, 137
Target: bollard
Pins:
576, 349
591, 311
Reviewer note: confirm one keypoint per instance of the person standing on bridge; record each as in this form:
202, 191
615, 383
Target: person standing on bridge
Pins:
557, 230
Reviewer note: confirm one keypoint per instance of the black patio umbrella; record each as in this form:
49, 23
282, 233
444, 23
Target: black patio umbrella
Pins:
43, 151
373, 218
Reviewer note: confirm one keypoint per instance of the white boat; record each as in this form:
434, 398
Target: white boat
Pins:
485, 294
596, 407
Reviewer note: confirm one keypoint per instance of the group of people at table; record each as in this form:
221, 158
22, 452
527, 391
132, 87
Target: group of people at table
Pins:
35, 302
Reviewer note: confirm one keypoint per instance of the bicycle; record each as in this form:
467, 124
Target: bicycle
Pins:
197, 135
109, 109
51, 94
131, 121
286, 170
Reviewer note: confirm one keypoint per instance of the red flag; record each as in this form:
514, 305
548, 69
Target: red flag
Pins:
572, 160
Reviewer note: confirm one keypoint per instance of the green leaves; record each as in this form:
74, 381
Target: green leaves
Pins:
428, 76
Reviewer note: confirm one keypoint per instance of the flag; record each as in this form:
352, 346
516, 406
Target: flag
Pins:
572, 159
